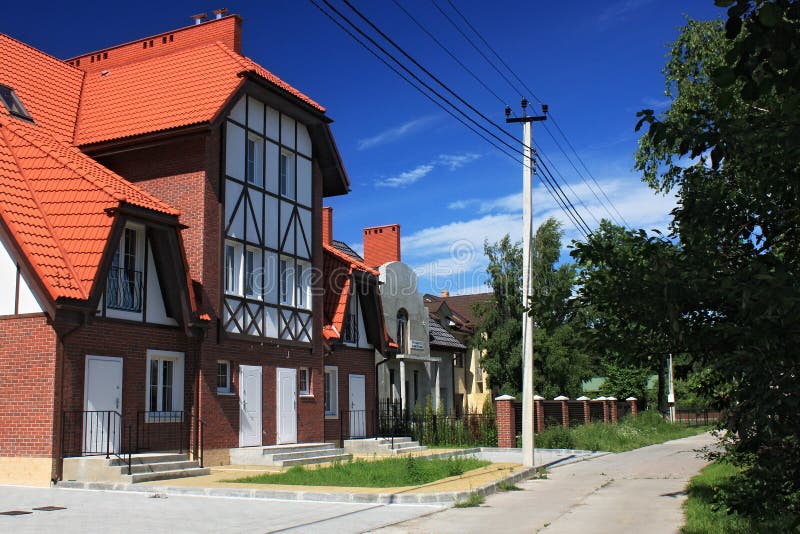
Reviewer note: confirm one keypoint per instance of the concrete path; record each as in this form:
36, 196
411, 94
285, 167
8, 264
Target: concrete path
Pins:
636, 491
87, 512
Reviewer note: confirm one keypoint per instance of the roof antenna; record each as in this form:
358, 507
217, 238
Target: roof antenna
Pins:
221, 12
199, 18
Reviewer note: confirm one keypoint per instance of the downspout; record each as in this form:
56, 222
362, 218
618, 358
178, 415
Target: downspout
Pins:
58, 469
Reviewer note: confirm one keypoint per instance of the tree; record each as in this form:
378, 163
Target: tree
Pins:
561, 363
730, 146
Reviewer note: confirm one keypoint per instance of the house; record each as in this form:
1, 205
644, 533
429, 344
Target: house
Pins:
409, 376
160, 222
456, 315
450, 352
354, 331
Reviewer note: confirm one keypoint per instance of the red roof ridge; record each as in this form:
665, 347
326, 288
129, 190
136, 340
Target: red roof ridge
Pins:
87, 176
33, 48
64, 256
351, 261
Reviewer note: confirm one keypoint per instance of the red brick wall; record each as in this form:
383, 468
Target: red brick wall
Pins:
351, 361
381, 244
27, 370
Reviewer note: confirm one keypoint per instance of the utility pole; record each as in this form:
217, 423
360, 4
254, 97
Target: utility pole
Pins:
528, 170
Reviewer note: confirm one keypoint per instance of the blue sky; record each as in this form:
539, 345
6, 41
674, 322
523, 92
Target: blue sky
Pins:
594, 63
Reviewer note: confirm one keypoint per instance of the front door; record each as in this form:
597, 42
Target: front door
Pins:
358, 407
287, 406
249, 405
102, 405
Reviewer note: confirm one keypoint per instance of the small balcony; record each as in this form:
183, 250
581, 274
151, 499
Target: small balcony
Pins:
350, 334
124, 290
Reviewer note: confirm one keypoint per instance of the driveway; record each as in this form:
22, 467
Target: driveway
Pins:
111, 512
636, 491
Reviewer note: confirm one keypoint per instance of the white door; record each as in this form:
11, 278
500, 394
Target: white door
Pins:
249, 405
287, 406
102, 404
358, 407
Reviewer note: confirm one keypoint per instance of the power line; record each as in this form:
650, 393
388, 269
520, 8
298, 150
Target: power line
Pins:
562, 205
531, 93
554, 183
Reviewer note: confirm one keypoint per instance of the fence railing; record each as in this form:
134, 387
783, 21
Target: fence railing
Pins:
124, 289
696, 416
108, 433
471, 429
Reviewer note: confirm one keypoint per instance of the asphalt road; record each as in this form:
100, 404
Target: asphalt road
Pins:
633, 492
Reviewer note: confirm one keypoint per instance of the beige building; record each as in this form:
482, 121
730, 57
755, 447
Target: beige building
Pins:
456, 314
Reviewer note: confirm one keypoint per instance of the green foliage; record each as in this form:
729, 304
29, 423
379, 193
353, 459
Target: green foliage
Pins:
508, 486
736, 101
647, 429
391, 472
561, 362
469, 430
625, 381
470, 502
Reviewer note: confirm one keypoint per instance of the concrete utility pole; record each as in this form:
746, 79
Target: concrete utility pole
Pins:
527, 278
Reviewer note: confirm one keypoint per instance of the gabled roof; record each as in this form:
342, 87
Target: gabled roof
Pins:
440, 337
55, 201
343, 247
462, 306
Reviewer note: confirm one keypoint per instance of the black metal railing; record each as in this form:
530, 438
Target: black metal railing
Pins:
124, 289
356, 424
430, 428
96, 433
162, 431
350, 334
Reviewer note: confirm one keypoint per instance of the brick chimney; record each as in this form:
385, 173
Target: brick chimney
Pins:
381, 244
327, 225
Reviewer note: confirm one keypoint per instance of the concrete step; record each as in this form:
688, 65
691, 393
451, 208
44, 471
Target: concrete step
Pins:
158, 467
323, 458
404, 439
295, 447
303, 454
406, 450
403, 444
164, 475
143, 459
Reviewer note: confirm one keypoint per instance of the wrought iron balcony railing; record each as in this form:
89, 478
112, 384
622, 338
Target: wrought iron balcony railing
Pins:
350, 334
124, 290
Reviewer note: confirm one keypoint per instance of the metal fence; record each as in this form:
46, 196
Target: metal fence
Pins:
471, 429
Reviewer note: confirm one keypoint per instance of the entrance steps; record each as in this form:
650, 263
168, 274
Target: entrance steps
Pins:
383, 446
144, 468
289, 455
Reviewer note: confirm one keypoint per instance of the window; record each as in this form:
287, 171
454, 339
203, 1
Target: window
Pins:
285, 275
331, 392
458, 359
254, 164
303, 280
13, 103
124, 286
392, 385
232, 268
304, 377
252, 272
416, 387
223, 376
286, 174
402, 331
164, 386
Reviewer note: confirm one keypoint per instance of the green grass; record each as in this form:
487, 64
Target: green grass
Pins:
704, 514
391, 472
508, 486
470, 502
647, 429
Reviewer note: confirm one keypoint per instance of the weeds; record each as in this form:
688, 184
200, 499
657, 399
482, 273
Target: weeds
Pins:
471, 501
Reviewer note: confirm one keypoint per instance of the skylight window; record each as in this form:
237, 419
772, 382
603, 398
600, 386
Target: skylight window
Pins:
12, 103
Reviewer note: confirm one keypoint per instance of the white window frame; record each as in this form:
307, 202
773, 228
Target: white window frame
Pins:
224, 390
286, 288
286, 171
302, 278
304, 391
236, 287
257, 177
332, 390
257, 290
176, 409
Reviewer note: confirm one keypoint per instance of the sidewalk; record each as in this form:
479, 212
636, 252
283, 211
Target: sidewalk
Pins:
636, 491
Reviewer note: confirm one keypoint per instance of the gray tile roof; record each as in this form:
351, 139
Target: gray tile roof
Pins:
440, 337
341, 246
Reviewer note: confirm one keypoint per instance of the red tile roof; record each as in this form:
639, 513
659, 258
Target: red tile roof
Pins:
55, 201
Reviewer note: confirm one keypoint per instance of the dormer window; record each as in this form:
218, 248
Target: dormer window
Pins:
124, 287
13, 103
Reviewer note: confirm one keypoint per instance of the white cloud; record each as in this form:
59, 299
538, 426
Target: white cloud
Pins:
462, 204
451, 161
620, 10
393, 134
406, 178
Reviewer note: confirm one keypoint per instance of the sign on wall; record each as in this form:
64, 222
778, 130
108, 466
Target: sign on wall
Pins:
417, 345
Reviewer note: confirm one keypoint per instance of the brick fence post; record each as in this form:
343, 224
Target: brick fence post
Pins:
538, 413
634, 406
506, 427
564, 410
606, 415
612, 402
587, 416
